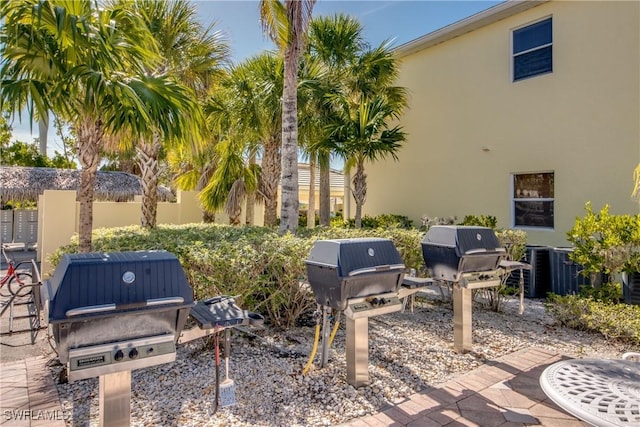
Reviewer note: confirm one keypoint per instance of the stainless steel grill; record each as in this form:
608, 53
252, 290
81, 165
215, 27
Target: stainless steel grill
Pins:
343, 269
468, 256
112, 312
360, 277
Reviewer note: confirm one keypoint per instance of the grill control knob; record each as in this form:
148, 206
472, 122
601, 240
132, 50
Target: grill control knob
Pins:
133, 354
118, 356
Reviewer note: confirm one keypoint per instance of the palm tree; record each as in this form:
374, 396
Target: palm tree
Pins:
262, 110
313, 78
85, 63
360, 108
363, 134
287, 23
190, 53
232, 179
244, 109
337, 42
193, 169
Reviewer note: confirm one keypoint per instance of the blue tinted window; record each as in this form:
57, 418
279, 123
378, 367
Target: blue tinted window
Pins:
533, 214
532, 36
532, 50
532, 63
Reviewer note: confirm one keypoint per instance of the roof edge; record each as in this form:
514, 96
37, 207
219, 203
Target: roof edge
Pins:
473, 22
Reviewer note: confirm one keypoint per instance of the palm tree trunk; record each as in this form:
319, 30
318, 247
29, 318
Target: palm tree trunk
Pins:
311, 208
89, 134
289, 177
208, 217
43, 132
147, 157
251, 197
271, 164
325, 192
346, 202
359, 191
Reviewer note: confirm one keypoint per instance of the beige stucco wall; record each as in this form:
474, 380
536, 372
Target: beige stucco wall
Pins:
58, 217
470, 127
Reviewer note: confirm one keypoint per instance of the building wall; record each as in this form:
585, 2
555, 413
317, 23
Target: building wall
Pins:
58, 215
470, 127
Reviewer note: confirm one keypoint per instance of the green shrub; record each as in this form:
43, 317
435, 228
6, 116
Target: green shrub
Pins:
480, 221
302, 218
614, 321
380, 221
607, 293
265, 270
606, 243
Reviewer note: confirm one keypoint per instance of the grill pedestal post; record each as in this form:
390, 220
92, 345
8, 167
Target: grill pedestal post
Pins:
357, 351
326, 312
115, 399
462, 317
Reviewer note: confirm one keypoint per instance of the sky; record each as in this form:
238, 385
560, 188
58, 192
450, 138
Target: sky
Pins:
397, 21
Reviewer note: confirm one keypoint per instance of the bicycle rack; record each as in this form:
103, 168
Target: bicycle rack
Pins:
31, 301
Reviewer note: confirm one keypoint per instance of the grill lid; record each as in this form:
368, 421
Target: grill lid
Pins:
465, 239
98, 283
353, 255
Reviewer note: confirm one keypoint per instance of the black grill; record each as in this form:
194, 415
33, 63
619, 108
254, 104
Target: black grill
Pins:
451, 251
111, 312
342, 269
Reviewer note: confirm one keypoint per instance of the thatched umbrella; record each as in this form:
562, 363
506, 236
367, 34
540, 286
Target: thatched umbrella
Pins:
27, 183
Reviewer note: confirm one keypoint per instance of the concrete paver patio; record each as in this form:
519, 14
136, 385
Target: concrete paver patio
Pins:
503, 392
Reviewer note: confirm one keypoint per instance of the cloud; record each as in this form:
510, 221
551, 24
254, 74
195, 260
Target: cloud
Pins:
377, 9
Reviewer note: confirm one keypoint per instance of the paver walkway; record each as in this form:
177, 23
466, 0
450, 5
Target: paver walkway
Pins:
504, 392
28, 395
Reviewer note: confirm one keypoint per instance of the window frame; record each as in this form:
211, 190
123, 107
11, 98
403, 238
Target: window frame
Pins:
513, 55
513, 200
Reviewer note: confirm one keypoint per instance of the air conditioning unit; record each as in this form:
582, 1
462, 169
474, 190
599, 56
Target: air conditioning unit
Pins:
537, 281
631, 288
566, 275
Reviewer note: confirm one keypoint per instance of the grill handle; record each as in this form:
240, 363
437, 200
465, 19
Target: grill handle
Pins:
90, 309
110, 307
376, 269
483, 250
167, 300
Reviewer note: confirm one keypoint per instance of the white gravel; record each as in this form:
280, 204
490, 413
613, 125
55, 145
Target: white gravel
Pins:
408, 352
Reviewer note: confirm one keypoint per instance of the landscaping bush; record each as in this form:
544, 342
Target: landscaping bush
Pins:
380, 221
263, 269
615, 321
606, 243
480, 221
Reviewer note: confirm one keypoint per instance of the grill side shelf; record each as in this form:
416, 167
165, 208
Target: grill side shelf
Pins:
216, 316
